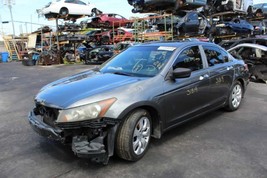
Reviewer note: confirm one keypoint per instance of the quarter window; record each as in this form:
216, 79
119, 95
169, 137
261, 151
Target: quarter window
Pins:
215, 55
189, 58
69, 1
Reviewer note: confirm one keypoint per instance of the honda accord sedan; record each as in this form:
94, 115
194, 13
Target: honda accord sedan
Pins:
138, 94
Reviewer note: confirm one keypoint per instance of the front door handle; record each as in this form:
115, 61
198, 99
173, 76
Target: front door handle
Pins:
229, 67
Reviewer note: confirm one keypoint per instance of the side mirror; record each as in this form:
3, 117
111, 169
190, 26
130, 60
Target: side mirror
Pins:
225, 59
181, 73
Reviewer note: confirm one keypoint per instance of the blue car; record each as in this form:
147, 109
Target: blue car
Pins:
234, 27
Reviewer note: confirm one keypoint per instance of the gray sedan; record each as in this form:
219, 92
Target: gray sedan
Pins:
138, 94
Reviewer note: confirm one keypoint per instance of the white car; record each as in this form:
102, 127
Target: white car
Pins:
255, 56
66, 8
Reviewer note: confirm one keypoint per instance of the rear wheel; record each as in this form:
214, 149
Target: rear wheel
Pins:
64, 12
107, 24
134, 135
105, 40
235, 97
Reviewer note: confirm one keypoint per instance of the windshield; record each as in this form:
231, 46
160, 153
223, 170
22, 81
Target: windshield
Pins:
142, 61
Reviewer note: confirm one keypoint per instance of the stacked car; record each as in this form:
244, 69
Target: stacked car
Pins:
218, 21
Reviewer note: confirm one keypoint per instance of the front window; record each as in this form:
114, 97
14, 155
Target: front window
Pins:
189, 58
142, 61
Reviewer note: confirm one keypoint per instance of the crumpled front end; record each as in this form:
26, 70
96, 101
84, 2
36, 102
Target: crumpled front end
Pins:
93, 139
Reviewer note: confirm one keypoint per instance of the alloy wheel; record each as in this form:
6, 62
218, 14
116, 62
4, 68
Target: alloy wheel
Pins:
141, 135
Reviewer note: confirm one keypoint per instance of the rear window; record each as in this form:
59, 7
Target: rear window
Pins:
215, 55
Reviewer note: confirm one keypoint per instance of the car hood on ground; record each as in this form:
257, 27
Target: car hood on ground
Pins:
64, 92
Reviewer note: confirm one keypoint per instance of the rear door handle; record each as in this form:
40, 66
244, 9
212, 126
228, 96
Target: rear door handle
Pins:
203, 76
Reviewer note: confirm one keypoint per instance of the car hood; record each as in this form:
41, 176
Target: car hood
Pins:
64, 92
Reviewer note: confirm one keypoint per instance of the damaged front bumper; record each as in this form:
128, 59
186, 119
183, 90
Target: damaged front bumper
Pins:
88, 140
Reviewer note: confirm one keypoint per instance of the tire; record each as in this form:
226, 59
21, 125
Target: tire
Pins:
64, 11
235, 97
134, 135
107, 24
229, 6
105, 40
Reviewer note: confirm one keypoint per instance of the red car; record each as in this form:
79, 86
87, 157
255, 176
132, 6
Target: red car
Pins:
107, 20
115, 36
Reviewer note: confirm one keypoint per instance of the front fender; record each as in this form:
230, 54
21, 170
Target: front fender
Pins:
155, 112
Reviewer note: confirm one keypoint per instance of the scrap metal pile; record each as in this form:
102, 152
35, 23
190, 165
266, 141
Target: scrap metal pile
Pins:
94, 39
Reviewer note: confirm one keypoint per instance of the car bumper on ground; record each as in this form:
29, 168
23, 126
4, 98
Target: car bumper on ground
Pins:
98, 147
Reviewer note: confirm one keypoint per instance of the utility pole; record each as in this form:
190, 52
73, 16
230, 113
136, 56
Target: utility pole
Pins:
9, 3
2, 27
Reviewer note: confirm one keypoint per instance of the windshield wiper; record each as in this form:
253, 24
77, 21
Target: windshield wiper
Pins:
96, 69
122, 73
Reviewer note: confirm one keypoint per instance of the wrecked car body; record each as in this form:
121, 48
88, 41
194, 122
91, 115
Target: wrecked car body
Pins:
185, 23
121, 105
145, 6
99, 54
68, 9
237, 26
255, 56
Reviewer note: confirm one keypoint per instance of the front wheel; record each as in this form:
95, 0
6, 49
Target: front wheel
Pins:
235, 97
134, 135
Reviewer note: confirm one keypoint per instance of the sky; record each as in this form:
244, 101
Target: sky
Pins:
25, 11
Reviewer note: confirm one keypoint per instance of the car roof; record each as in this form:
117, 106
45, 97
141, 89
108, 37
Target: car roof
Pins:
243, 39
174, 44
261, 47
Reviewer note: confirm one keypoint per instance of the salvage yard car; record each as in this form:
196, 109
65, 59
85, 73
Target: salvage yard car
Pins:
185, 23
255, 56
145, 6
109, 20
237, 26
138, 94
99, 54
65, 8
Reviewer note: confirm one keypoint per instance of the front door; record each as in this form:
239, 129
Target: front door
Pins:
184, 97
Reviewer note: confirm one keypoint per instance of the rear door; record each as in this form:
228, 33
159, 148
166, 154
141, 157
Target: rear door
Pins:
221, 72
